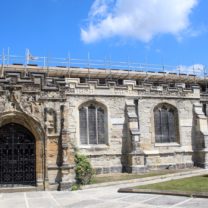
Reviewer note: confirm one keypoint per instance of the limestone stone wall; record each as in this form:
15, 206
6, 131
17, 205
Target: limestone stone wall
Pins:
105, 156
49, 108
117, 154
185, 118
160, 154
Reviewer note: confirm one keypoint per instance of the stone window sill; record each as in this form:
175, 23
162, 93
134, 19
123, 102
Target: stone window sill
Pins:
94, 147
172, 144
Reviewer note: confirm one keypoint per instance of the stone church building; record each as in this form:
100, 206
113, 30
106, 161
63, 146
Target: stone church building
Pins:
124, 121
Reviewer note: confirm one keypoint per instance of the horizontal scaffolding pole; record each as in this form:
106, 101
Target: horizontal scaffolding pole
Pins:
7, 59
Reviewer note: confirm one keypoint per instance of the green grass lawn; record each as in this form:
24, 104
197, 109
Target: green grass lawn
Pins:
125, 176
193, 184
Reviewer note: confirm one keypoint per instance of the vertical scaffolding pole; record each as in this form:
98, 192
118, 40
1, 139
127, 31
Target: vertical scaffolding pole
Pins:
179, 69
27, 59
88, 60
47, 65
194, 73
44, 62
110, 67
205, 76
128, 68
2, 64
69, 64
8, 56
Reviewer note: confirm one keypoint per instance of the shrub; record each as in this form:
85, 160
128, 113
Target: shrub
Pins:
75, 187
83, 170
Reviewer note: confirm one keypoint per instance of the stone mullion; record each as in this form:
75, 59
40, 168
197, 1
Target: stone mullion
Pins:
96, 123
87, 114
168, 125
161, 133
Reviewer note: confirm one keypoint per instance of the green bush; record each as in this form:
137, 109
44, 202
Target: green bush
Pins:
83, 170
75, 187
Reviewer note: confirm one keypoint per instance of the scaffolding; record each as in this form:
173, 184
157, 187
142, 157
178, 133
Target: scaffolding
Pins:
106, 69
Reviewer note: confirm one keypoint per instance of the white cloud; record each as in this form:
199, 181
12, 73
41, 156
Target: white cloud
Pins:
197, 69
139, 19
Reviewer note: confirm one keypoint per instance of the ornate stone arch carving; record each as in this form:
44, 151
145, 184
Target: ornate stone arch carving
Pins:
38, 132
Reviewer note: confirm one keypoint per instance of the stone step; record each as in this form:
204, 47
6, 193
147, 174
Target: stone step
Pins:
18, 189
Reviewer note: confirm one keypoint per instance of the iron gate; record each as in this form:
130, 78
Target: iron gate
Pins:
17, 156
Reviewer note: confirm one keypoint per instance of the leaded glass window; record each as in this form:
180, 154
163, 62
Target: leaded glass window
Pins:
92, 120
166, 124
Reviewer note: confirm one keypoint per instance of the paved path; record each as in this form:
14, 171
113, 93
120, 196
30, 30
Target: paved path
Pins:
105, 197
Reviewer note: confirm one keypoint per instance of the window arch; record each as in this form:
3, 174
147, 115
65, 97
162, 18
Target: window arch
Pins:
166, 123
92, 122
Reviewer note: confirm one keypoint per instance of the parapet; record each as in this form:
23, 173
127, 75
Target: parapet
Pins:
34, 81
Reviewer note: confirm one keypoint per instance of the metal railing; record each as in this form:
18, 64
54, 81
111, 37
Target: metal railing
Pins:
69, 62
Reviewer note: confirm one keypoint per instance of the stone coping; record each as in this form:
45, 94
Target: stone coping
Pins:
151, 179
172, 193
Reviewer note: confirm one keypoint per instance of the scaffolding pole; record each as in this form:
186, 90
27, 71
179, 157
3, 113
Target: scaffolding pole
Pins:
2, 64
8, 56
88, 62
69, 64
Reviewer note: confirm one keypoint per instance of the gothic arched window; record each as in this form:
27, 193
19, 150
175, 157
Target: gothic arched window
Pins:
92, 122
166, 124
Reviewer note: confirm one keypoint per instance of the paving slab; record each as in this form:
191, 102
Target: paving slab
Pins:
87, 203
166, 200
13, 202
41, 194
12, 196
195, 203
102, 197
41, 203
138, 198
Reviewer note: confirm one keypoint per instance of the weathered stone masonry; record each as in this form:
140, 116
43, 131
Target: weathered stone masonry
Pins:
47, 103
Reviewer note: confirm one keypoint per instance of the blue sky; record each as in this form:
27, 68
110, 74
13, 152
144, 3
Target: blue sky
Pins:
173, 32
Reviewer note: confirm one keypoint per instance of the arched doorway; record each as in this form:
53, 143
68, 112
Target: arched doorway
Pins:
17, 156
